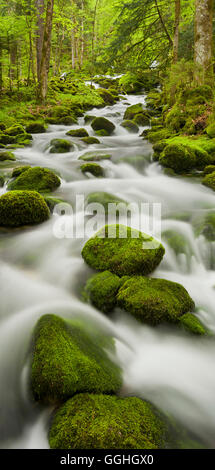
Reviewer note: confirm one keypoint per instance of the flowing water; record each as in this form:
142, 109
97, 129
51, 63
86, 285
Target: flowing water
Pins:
40, 273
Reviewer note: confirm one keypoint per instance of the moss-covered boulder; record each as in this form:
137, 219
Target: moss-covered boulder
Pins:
192, 324
130, 126
15, 130
37, 179
154, 301
141, 119
19, 208
108, 98
61, 146
107, 422
68, 358
209, 181
94, 157
209, 169
19, 169
123, 251
102, 133
178, 157
78, 133
35, 127
93, 168
101, 290
6, 155
104, 199
53, 201
90, 140
155, 135
100, 123
132, 111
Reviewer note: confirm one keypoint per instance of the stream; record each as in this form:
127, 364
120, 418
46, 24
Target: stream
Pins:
40, 273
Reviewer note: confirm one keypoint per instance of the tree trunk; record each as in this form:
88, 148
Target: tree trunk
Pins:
39, 32
203, 51
176, 30
46, 49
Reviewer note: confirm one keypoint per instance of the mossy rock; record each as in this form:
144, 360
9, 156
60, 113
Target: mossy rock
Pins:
104, 199
37, 178
102, 133
19, 208
132, 111
192, 324
2, 180
61, 146
156, 135
93, 168
78, 133
35, 128
130, 126
5, 155
158, 149
209, 169
90, 140
101, 123
178, 157
94, 157
123, 251
154, 301
15, 130
7, 139
53, 201
69, 358
19, 170
211, 130
141, 119
64, 120
209, 181
89, 421
101, 290
108, 98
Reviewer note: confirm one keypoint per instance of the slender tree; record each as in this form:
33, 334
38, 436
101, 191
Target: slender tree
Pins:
176, 30
40, 9
204, 39
46, 48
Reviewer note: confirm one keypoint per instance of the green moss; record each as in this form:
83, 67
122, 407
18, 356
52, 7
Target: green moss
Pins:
102, 133
94, 157
78, 133
7, 139
101, 123
178, 157
158, 149
204, 90
93, 168
5, 155
209, 169
154, 301
108, 98
114, 248
132, 111
35, 127
18, 170
209, 180
88, 118
104, 199
176, 118
130, 126
141, 119
90, 140
192, 324
211, 130
2, 181
69, 358
101, 290
38, 179
61, 146
22, 208
107, 422
15, 130
154, 136
53, 201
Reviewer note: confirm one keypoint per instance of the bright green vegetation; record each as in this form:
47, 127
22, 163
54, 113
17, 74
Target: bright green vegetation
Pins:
101, 290
154, 301
36, 127
209, 180
133, 111
108, 98
19, 169
209, 169
107, 422
6, 155
93, 168
90, 140
19, 208
69, 358
101, 123
78, 133
37, 179
115, 248
94, 157
61, 146
130, 126
192, 324
53, 201
105, 199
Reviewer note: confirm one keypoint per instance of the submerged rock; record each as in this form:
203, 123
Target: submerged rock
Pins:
101, 123
107, 422
116, 249
93, 168
104, 199
37, 178
19, 208
153, 300
69, 358
94, 157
